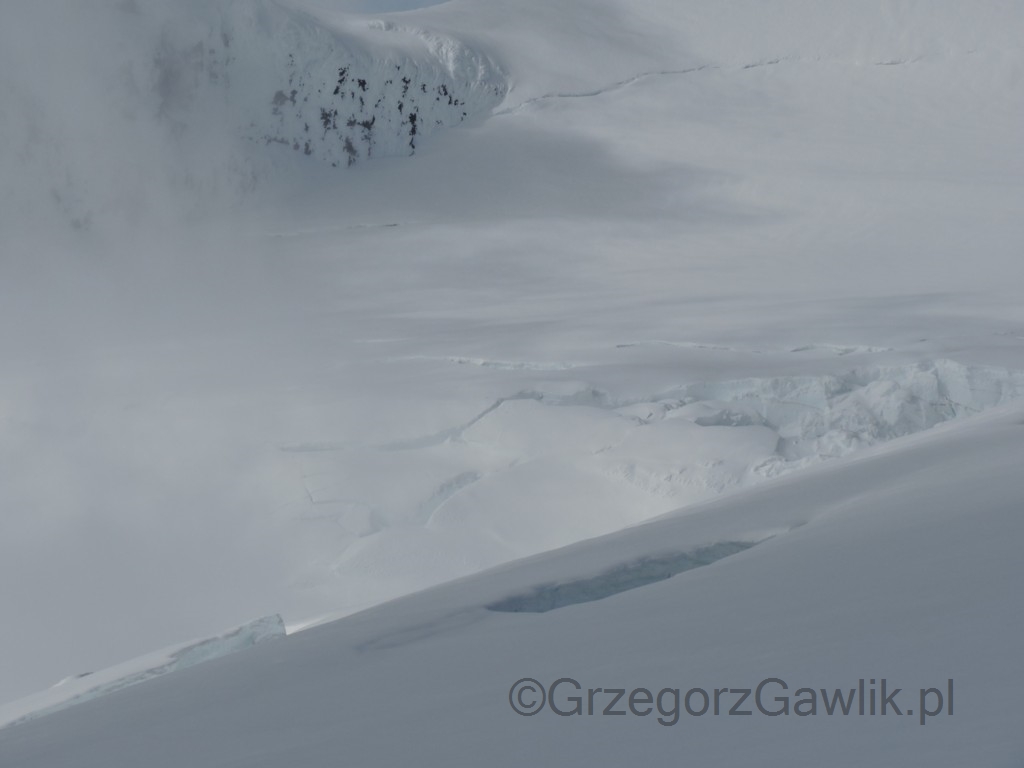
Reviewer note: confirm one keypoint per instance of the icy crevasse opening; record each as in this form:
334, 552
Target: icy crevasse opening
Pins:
622, 578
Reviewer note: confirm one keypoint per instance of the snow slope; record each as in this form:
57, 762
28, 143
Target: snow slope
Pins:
694, 247
92, 685
901, 564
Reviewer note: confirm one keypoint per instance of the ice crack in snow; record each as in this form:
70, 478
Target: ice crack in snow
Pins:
604, 89
622, 578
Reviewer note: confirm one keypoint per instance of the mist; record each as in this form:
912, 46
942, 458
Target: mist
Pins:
120, 440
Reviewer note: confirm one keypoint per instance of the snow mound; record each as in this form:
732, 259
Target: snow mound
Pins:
82, 688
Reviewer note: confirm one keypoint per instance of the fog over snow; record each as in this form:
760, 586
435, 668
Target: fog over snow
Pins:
309, 305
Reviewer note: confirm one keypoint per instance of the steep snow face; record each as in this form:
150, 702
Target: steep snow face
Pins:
338, 92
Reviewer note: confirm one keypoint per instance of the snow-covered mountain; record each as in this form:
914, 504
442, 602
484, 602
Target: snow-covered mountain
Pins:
749, 271
202, 93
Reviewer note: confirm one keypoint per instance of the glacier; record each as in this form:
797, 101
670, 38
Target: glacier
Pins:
638, 280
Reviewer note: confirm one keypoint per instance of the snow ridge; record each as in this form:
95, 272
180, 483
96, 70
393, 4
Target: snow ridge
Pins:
85, 687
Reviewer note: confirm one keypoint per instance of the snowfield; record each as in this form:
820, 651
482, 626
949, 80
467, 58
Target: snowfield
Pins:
663, 344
